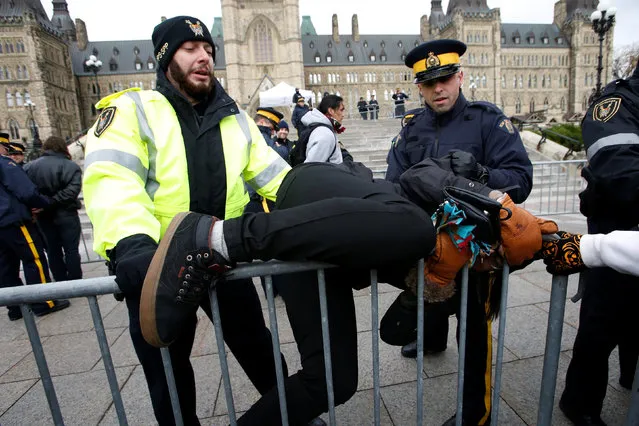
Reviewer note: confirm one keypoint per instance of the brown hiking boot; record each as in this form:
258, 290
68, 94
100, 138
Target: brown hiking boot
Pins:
180, 274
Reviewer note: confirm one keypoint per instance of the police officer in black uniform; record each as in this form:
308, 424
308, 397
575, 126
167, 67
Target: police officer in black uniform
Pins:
267, 120
610, 202
19, 237
478, 142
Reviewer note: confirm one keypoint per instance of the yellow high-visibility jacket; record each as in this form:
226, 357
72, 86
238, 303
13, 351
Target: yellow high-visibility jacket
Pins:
136, 177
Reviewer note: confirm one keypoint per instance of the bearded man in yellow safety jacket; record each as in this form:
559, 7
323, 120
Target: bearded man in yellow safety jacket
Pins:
164, 178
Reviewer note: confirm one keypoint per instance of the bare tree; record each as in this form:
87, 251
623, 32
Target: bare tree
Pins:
625, 60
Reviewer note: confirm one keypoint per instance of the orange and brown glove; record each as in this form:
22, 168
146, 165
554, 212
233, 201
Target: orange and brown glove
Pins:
563, 256
521, 232
440, 269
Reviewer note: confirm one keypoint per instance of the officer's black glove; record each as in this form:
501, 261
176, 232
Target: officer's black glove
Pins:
464, 164
132, 257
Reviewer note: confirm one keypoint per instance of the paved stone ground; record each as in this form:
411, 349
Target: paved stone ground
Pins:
78, 373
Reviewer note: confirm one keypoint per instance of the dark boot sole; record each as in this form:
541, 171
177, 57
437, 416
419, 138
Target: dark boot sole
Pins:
148, 321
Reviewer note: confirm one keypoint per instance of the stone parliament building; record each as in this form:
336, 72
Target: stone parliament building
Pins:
521, 68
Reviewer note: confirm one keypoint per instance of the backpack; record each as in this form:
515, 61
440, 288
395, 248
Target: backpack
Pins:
297, 153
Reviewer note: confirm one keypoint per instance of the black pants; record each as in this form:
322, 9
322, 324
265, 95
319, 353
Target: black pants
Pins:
245, 333
400, 110
22, 242
340, 219
364, 115
607, 318
478, 367
62, 233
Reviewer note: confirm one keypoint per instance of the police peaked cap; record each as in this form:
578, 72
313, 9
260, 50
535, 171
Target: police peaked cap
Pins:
272, 115
4, 139
170, 34
16, 148
435, 59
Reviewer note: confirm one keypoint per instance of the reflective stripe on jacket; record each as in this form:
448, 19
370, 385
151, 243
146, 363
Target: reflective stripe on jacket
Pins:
136, 175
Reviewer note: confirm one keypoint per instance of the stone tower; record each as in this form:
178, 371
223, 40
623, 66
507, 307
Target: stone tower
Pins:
62, 20
38, 71
262, 42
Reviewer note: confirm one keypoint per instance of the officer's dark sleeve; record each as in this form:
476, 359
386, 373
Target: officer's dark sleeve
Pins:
397, 159
612, 149
509, 167
423, 184
18, 183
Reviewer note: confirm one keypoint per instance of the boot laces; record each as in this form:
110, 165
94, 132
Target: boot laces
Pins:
196, 276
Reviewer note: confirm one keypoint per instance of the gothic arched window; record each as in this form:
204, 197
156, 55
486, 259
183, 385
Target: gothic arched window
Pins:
563, 103
532, 105
518, 106
262, 43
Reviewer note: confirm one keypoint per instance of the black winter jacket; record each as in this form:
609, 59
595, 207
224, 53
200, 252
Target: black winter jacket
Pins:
59, 178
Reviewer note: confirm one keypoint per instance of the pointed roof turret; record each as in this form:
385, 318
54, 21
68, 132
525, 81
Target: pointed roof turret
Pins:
307, 27
62, 20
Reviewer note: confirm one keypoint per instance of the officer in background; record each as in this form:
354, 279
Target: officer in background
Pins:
268, 121
16, 153
362, 107
475, 140
19, 237
400, 99
373, 107
610, 202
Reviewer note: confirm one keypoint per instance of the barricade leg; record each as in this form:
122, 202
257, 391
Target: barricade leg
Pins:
500, 345
633, 411
106, 358
553, 348
420, 342
327, 346
219, 339
41, 361
463, 317
375, 342
279, 372
170, 381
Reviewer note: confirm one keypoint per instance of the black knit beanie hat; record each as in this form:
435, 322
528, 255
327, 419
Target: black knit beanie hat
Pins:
169, 35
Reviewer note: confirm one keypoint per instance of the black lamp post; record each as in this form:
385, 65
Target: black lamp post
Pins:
602, 21
94, 65
37, 143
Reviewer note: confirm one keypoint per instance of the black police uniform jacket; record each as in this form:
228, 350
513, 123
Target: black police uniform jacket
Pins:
18, 195
479, 128
610, 132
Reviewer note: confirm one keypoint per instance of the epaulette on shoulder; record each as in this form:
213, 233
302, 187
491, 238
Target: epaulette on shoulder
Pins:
410, 114
486, 106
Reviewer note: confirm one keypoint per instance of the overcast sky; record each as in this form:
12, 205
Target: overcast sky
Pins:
134, 20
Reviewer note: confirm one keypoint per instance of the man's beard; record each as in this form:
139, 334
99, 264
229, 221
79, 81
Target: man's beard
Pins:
196, 92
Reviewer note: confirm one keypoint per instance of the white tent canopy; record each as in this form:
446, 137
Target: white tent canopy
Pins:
281, 95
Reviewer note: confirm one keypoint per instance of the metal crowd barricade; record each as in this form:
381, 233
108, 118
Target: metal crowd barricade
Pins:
93, 287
